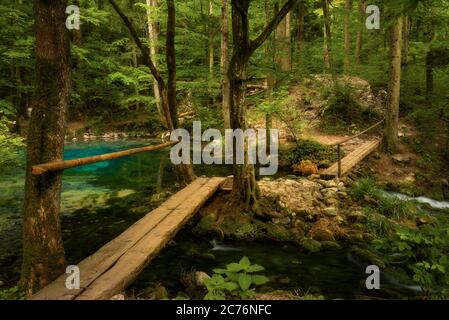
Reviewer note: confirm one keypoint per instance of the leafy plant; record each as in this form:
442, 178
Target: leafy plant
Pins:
11, 294
236, 281
425, 251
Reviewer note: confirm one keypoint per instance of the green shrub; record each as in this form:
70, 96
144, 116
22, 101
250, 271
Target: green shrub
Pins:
343, 110
313, 151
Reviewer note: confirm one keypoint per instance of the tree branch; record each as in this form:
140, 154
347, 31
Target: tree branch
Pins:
256, 43
143, 49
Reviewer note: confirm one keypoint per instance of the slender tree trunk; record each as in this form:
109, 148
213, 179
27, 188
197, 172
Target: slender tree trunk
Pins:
394, 87
211, 39
153, 35
225, 62
328, 59
347, 36
359, 37
283, 41
406, 36
271, 76
300, 33
43, 250
429, 77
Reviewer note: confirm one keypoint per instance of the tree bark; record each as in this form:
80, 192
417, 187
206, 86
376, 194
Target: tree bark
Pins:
300, 32
43, 250
406, 36
245, 188
184, 171
211, 39
283, 42
225, 62
153, 35
359, 37
347, 36
328, 59
394, 87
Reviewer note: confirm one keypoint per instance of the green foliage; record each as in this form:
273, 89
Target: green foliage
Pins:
236, 281
385, 204
343, 110
11, 294
426, 252
313, 151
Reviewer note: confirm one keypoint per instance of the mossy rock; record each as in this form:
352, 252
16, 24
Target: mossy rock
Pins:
279, 233
311, 245
330, 246
369, 256
205, 225
241, 230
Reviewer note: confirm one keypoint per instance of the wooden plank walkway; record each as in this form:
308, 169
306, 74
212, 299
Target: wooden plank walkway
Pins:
351, 160
114, 266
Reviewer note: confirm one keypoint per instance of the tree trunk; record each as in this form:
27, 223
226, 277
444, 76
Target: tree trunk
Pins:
300, 32
43, 250
347, 36
225, 62
153, 35
211, 39
184, 171
245, 188
406, 35
283, 41
394, 87
328, 59
359, 37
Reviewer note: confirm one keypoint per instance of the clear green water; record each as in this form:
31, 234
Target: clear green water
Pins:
101, 200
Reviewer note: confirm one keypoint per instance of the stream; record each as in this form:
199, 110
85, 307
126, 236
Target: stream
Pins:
101, 200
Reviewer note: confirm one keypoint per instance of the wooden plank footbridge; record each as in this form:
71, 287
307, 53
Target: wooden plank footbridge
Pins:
114, 266
345, 165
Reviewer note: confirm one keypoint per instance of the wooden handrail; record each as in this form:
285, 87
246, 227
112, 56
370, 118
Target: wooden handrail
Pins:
357, 135
67, 164
339, 143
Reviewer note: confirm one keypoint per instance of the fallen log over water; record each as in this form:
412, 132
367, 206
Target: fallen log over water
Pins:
67, 164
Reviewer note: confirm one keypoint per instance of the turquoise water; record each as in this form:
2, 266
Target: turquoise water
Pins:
101, 200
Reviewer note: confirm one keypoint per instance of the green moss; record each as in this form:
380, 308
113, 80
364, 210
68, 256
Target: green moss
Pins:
368, 256
330, 245
311, 245
279, 233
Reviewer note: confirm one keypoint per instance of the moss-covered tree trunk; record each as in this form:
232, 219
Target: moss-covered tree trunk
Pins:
43, 250
394, 87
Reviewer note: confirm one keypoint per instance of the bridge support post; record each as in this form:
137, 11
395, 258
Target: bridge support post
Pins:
339, 161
